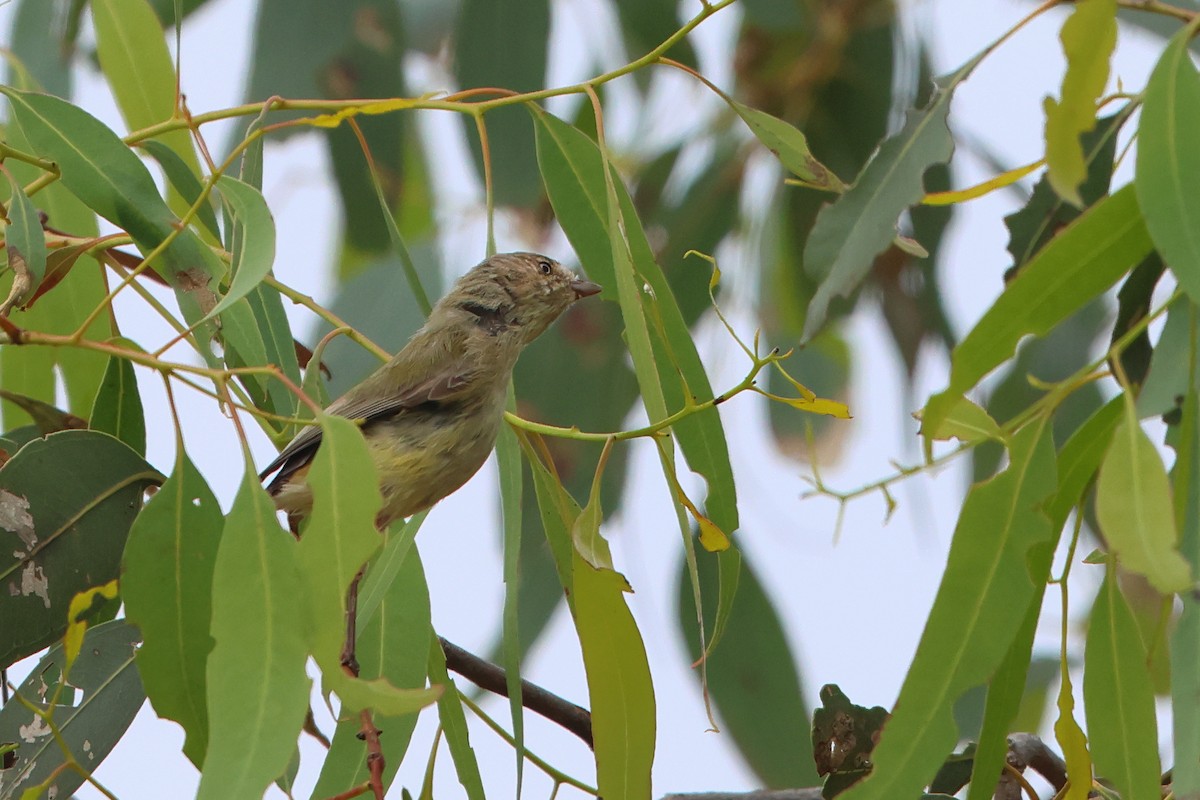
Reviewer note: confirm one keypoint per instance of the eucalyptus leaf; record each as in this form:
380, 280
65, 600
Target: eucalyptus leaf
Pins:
1088, 38
66, 506
118, 406
1167, 166
257, 687
971, 626
90, 723
862, 222
180, 529
1119, 697
1079, 264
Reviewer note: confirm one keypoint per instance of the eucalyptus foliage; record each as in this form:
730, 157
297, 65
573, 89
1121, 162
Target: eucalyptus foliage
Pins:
143, 588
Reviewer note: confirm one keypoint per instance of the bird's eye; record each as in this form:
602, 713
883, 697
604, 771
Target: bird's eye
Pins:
545, 267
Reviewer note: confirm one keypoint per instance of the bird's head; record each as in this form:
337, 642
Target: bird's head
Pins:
518, 294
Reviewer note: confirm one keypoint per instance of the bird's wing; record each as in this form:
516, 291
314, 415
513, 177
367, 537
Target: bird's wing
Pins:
442, 385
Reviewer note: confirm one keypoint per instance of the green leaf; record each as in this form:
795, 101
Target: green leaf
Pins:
167, 585
118, 406
352, 49
1045, 213
339, 535
789, 144
266, 304
1065, 350
1172, 364
622, 698
862, 222
1088, 38
967, 422
1010, 683
111, 695
1133, 504
588, 206
254, 243
588, 355
619, 688
508, 457
32, 370
338, 538
114, 183
393, 643
165, 10
573, 172
454, 725
1080, 458
257, 687
972, 625
1135, 298
134, 58
386, 566
1119, 697
524, 27
1001, 705
558, 511
185, 183
46, 418
66, 504
245, 348
35, 44
1167, 166
24, 246
1185, 639
1080, 263
752, 674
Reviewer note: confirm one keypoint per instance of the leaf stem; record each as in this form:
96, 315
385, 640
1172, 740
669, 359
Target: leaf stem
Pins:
301, 299
544, 766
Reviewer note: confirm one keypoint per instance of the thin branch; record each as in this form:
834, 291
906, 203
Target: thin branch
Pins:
1156, 7
490, 677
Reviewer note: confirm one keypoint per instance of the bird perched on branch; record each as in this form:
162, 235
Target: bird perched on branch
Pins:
430, 415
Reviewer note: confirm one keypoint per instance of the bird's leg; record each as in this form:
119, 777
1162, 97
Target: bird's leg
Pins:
369, 733
374, 753
348, 660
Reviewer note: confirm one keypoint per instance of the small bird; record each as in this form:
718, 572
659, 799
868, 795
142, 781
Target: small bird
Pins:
430, 415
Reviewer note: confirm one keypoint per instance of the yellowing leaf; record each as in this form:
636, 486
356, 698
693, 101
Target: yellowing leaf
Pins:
1073, 743
815, 405
1088, 38
1133, 503
81, 603
712, 538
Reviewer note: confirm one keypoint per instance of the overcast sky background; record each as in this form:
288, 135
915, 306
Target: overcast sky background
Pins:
866, 641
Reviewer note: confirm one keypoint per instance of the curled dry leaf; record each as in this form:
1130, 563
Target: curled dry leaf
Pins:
22, 279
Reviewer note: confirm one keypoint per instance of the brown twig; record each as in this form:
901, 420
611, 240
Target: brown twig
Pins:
490, 677
356, 791
369, 733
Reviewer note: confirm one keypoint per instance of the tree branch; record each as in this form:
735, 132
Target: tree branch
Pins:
1027, 750
490, 677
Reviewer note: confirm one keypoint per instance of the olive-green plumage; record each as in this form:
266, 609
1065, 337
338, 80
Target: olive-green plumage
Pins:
430, 415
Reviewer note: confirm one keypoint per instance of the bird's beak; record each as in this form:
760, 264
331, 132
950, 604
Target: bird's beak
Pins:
583, 288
